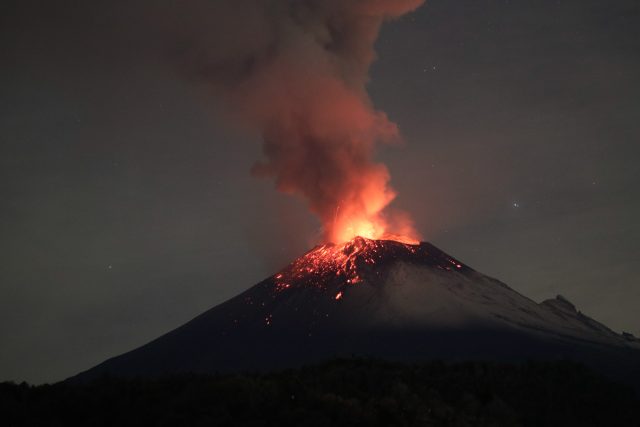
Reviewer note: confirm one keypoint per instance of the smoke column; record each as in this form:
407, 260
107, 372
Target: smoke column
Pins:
296, 71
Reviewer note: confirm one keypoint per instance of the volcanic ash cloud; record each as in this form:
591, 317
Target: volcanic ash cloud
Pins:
296, 71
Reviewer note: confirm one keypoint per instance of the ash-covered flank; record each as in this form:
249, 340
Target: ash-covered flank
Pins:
383, 299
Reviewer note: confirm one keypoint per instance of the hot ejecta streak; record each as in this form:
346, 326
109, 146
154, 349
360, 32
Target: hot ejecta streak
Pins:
296, 70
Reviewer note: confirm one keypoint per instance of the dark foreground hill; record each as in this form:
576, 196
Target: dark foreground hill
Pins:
340, 393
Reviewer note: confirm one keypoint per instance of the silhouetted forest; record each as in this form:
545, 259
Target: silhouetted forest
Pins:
338, 393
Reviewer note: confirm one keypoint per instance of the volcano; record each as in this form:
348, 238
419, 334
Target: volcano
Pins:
381, 299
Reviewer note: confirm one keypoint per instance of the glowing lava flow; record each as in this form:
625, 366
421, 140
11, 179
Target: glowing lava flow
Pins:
332, 269
343, 263
337, 267
341, 260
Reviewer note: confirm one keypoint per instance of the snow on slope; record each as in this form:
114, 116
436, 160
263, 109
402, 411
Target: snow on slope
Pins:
421, 295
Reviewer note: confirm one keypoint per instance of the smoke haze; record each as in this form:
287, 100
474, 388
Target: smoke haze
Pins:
296, 71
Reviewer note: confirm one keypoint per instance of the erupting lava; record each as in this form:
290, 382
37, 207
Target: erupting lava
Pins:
349, 263
363, 218
373, 229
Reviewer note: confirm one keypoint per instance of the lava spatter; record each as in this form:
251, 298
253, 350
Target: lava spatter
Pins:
348, 263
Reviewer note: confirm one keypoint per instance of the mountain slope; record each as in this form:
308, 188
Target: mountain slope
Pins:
382, 299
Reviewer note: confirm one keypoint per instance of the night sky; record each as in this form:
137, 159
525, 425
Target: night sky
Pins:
128, 207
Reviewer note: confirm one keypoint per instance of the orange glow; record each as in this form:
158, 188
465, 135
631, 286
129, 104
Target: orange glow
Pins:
305, 94
374, 229
320, 147
334, 268
335, 260
373, 226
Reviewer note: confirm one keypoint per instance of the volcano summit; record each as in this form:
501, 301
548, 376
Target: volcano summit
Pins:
383, 299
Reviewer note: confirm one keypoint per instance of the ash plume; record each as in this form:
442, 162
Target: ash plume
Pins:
296, 71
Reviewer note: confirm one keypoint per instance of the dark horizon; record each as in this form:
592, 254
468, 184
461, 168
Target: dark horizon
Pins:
129, 206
